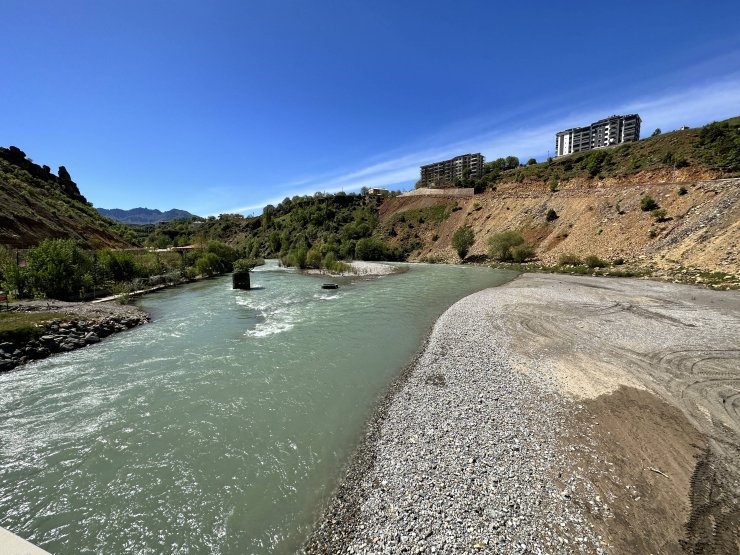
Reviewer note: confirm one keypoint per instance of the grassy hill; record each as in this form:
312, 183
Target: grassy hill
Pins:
709, 152
35, 205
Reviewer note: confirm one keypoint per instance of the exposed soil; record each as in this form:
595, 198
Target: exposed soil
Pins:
638, 453
654, 371
701, 229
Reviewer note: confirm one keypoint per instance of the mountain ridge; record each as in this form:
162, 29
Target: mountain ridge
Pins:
142, 215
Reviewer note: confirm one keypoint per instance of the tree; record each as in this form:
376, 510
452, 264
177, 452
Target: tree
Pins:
313, 258
531, 162
647, 203
509, 246
462, 240
551, 215
656, 132
512, 162
55, 269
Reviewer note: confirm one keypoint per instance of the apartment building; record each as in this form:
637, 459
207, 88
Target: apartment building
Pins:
443, 174
613, 130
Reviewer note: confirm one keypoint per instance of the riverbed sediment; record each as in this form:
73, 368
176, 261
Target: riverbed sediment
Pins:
555, 414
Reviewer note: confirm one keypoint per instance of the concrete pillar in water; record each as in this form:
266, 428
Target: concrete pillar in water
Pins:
240, 280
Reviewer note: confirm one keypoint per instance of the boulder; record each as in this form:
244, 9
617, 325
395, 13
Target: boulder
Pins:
91, 338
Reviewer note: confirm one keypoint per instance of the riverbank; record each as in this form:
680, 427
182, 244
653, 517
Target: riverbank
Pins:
555, 414
43, 328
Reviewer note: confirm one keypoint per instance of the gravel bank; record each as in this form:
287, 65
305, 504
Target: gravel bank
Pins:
360, 268
462, 456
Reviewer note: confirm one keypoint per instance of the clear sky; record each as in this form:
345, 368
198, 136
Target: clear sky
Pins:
225, 106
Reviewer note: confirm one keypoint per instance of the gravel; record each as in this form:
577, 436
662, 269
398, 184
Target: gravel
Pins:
463, 455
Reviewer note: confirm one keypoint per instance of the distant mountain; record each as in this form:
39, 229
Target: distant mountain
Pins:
144, 215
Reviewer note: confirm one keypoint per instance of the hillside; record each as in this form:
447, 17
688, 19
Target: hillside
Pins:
596, 196
701, 228
35, 205
140, 215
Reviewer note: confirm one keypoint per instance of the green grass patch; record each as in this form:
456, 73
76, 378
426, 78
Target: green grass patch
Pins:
20, 327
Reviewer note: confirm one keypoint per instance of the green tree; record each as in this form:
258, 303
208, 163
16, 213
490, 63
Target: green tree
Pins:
509, 246
647, 203
313, 258
462, 240
656, 132
55, 269
531, 162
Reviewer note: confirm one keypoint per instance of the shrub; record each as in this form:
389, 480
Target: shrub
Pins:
313, 258
508, 246
569, 259
553, 185
56, 269
531, 162
551, 215
618, 261
462, 240
435, 237
520, 253
595, 262
682, 191
647, 204
652, 233
246, 264
370, 248
659, 214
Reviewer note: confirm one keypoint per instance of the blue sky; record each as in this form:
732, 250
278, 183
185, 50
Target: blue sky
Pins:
225, 106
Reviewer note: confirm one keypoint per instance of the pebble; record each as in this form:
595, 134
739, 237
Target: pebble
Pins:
468, 462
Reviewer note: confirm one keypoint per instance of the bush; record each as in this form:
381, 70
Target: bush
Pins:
569, 259
595, 262
313, 258
462, 240
57, 268
647, 204
682, 191
370, 248
553, 185
509, 246
551, 215
209, 264
520, 253
659, 214
246, 265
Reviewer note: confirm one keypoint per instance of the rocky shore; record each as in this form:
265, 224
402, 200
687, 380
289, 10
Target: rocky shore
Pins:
555, 414
86, 324
462, 457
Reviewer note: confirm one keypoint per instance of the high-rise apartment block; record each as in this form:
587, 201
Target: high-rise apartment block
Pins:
609, 131
444, 173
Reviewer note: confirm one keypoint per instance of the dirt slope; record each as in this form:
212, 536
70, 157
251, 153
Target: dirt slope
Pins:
602, 218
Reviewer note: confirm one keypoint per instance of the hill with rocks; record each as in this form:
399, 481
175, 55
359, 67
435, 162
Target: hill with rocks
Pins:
36, 204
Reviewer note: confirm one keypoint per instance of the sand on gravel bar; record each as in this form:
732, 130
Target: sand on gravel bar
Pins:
556, 414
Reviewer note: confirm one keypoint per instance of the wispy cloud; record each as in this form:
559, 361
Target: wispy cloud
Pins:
534, 136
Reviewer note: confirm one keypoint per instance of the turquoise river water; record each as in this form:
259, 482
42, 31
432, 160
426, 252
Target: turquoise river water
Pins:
221, 426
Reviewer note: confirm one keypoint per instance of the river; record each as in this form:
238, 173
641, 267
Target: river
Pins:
220, 427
